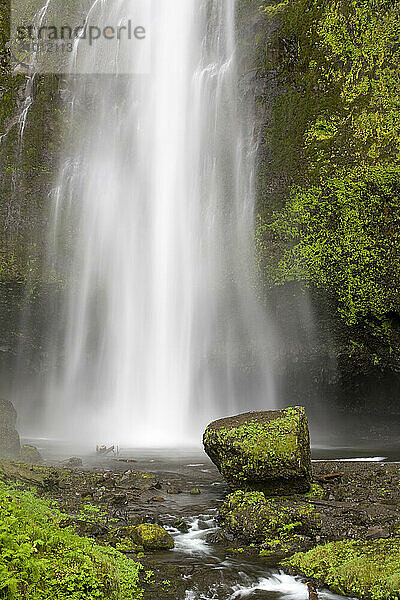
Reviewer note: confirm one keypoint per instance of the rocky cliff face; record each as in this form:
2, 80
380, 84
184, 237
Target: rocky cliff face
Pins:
324, 78
30, 138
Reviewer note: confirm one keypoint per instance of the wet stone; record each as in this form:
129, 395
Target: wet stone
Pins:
9, 439
265, 451
73, 461
30, 454
152, 536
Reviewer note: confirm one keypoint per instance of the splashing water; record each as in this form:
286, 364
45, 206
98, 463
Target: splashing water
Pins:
194, 542
240, 578
284, 586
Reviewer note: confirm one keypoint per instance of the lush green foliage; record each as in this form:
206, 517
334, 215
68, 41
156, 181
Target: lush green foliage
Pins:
41, 559
362, 569
347, 232
335, 137
27, 162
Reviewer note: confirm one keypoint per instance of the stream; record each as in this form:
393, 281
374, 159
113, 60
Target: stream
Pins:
202, 561
233, 577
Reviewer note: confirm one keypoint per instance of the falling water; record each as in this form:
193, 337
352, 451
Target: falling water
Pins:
153, 214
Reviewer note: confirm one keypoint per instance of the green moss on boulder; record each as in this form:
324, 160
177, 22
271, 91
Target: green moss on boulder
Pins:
30, 454
276, 525
267, 451
152, 537
355, 568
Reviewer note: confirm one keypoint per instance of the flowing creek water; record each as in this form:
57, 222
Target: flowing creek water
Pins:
202, 561
233, 577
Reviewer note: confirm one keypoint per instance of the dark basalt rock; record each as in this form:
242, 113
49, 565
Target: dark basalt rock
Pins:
9, 439
9, 442
267, 451
8, 414
30, 454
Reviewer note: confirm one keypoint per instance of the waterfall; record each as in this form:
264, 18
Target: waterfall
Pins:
160, 329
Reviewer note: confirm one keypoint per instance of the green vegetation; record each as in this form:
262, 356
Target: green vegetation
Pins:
270, 455
329, 189
316, 491
272, 523
350, 234
40, 558
9, 84
355, 568
27, 162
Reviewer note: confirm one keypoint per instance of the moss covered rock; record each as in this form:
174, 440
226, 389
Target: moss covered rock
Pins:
152, 537
276, 525
355, 568
30, 454
267, 451
9, 438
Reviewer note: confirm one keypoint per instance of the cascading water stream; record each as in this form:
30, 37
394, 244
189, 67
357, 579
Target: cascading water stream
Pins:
233, 578
160, 330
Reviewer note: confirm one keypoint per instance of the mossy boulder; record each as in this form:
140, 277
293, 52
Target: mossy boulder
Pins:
151, 536
9, 438
353, 567
276, 525
30, 454
267, 451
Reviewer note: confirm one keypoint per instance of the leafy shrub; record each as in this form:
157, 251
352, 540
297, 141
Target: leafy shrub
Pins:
40, 559
334, 136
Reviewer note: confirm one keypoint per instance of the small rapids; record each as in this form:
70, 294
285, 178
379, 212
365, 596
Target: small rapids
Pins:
233, 578
194, 542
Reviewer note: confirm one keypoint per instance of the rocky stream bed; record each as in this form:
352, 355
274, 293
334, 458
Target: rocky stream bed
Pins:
223, 549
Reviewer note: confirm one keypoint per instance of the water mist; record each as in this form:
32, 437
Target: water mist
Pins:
160, 330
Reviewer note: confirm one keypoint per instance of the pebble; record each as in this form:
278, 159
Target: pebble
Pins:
173, 490
376, 532
74, 461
